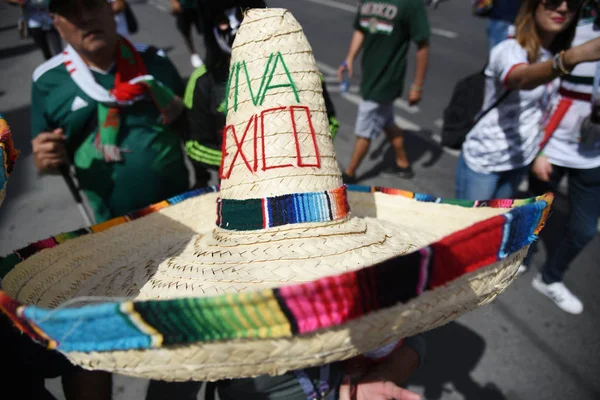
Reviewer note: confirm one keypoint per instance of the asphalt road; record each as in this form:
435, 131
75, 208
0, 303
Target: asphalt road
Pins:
521, 347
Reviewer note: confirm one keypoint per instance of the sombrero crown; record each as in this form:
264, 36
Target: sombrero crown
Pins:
288, 278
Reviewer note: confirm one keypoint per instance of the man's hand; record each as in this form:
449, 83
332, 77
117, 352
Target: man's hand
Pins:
375, 390
173, 110
118, 6
49, 149
542, 169
414, 96
175, 7
345, 66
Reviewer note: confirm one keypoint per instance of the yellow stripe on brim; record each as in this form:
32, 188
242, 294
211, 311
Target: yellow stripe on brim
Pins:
156, 339
108, 224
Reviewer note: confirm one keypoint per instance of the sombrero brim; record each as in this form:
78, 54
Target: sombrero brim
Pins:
296, 326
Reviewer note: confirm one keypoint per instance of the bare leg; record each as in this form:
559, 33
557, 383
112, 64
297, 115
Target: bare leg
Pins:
81, 384
189, 43
361, 147
396, 138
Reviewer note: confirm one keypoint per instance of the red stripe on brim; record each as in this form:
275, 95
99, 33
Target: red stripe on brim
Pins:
466, 251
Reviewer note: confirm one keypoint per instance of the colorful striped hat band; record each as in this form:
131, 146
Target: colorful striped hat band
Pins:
269, 212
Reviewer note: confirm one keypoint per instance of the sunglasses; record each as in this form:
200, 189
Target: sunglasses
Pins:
572, 5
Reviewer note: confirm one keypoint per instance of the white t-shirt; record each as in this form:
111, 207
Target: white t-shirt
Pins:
509, 136
563, 148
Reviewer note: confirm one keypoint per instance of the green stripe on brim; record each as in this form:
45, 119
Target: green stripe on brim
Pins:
8, 263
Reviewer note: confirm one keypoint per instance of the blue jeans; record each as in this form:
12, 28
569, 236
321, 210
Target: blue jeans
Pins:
497, 31
472, 185
584, 210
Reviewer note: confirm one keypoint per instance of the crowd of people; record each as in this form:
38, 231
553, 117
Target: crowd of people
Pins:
535, 115
118, 111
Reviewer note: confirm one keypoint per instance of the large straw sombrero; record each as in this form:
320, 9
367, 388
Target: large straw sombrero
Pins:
289, 277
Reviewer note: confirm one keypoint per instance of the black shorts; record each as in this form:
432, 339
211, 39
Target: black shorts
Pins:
186, 18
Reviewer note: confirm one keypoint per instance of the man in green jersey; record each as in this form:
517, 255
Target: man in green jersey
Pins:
111, 107
384, 29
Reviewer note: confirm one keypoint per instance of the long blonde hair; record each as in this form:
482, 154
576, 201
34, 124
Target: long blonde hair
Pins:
528, 36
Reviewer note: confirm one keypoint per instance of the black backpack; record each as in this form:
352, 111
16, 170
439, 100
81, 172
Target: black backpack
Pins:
464, 109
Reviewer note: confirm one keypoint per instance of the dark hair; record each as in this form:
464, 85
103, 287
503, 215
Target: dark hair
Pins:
528, 36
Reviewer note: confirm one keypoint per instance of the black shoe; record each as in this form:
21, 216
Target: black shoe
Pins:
349, 179
404, 173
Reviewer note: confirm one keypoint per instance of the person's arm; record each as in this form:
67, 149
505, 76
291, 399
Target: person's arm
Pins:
422, 60
175, 6
48, 145
420, 31
355, 45
165, 71
530, 76
118, 6
203, 145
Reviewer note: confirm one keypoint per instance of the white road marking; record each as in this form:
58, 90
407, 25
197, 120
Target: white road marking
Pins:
326, 69
161, 5
438, 123
335, 4
350, 8
444, 33
403, 105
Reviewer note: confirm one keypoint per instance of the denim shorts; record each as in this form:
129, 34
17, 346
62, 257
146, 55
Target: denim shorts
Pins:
373, 118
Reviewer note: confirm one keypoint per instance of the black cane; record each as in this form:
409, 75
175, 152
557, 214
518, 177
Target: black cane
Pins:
64, 171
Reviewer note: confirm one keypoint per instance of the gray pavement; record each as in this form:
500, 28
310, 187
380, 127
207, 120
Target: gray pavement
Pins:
521, 347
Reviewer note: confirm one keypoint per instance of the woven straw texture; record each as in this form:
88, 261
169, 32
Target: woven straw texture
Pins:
263, 35
247, 358
142, 267
175, 262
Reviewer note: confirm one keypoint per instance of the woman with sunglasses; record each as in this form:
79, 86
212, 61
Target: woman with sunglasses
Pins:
572, 150
501, 145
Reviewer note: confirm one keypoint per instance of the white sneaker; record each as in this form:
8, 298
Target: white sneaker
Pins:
522, 269
558, 292
196, 61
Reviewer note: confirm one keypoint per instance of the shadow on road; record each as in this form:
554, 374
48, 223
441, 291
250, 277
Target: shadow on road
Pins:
8, 27
17, 50
417, 146
453, 352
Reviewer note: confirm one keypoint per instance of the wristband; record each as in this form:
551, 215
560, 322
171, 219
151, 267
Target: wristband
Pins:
558, 64
416, 88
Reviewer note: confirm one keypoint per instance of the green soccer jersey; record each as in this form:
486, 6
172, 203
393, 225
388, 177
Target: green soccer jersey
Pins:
389, 27
153, 165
